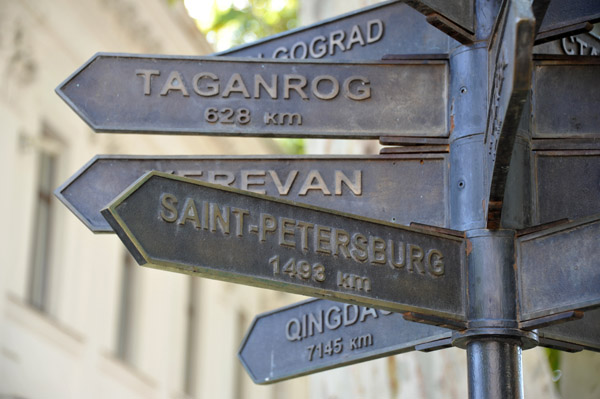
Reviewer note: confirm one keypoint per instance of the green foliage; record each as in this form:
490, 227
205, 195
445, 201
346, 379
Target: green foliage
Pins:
255, 20
292, 146
554, 360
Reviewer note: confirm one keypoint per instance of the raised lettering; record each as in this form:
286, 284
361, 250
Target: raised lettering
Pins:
415, 258
335, 87
168, 201
212, 89
366, 312
270, 118
304, 226
348, 321
362, 93
298, 86
321, 49
341, 240
239, 217
280, 50
147, 74
334, 322
293, 335
214, 176
372, 38
435, 262
218, 218
253, 178
397, 264
236, 85
359, 247
283, 189
260, 82
174, 82
355, 187
190, 213
295, 47
267, 225
377, 251
309, 185
286, 228
356, 36
336, 40
323, 239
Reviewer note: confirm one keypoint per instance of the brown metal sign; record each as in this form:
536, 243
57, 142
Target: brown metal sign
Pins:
184, 225
397, 188
249, 97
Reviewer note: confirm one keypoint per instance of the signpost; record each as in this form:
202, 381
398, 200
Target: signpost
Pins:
390, 27
558, 268
344, 183
317, 335
249, 97
506, 131
193, 227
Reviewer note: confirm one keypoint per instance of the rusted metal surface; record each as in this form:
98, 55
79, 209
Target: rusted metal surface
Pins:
184, 225
396, 188
318, 335
249, 97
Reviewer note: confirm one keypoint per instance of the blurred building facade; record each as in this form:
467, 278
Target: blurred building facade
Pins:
78, 317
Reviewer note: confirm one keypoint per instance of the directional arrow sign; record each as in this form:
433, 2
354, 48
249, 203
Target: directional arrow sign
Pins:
565, 99
563, 186
193, 227
461, 12
559, 269
249, 97
564, 16
398, 188
318, 335
584, 332
391, 27
511, 58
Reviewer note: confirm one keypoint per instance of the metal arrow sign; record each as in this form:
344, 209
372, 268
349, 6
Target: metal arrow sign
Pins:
574, 335
398, 188
391, 27
567, 17
318, 335
249, 97
184, 225
558, 269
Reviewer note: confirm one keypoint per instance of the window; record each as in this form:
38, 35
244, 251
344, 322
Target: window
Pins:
190, 366
125, 334
41, 266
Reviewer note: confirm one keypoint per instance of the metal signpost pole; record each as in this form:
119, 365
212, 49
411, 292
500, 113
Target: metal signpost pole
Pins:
493, 342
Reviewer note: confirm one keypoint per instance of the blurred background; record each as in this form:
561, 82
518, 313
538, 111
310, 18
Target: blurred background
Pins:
78, 317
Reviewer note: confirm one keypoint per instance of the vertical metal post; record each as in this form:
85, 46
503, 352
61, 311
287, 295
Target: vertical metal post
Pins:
492, 340
495, 370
